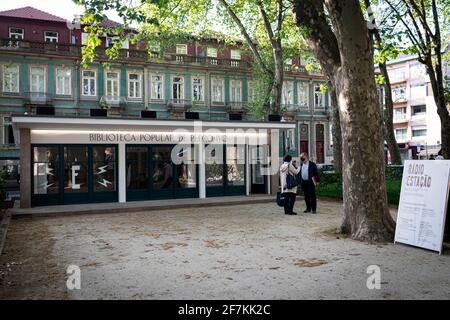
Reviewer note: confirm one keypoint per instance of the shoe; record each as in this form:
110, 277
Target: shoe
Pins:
293, 213
313, 212
307, 211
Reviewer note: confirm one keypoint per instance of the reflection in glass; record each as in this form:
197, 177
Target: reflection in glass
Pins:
257, 161
75, 169
137, 172
162, 168
104, 168
236, 165
186, 168
214, 165
45, 170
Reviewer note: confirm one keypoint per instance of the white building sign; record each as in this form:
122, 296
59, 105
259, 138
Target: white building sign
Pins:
423, 203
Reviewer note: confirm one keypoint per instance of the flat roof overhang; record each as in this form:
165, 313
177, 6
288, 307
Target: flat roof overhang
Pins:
121, 124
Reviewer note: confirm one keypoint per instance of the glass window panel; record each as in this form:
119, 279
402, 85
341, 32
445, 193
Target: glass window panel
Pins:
75, 169
162, 168
185, 167
214, 165
45, 170
137, 170
236, 165
104, 168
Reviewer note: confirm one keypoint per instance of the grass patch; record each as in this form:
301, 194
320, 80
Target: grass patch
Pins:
334, 190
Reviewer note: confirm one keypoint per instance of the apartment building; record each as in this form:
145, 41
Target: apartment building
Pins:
53, 121
416, 122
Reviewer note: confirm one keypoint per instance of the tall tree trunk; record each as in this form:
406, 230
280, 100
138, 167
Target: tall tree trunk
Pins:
279, 76
388, 115
366, 213
336, 132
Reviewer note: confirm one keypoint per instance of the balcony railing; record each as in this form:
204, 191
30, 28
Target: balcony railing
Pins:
133, 55
38, 98
236, 107
178, 105
290, 109
114, 101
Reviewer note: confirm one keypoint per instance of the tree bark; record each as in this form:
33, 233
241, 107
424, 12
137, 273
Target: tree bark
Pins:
336, 132
345, 52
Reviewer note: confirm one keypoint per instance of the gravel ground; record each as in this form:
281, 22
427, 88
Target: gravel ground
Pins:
235, 252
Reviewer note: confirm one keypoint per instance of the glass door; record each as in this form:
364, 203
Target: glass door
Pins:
257, 167
138, 183
162, 172
214, 170
185, 172
76, 167
104, 173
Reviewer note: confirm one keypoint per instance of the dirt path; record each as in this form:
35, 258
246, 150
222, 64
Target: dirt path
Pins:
241, 252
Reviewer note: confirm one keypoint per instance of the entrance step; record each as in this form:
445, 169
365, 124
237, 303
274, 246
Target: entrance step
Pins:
135, 206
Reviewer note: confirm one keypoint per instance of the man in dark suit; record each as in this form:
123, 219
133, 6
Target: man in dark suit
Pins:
309, 177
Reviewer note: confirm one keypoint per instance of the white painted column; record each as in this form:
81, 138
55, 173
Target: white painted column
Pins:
122, 173
247, 170
200, 152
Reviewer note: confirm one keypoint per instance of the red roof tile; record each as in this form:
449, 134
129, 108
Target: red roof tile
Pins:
31, 13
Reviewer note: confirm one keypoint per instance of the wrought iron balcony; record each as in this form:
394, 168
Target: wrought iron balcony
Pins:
178, 105
290, 109
38, 98
236, 107
113, 101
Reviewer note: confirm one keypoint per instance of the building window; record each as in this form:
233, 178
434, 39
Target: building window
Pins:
45, 170
217, 90
399, 113
287, 98
252, 92
211, 52
16, 33
400, 134
419, 110
37, 80
155, 49
84, 37
236, 90
304, 138
50, 36
319, 97
11, 78
112, 84
397, 74
177, 88
235, 54
320, 143
419, 132
181, 49
399, 94
156, 89
64, 81
104, 168
134, 85
303, 95
198, 89
89, 83
8, 132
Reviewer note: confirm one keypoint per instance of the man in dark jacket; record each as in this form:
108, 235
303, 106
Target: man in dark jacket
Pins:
309, 177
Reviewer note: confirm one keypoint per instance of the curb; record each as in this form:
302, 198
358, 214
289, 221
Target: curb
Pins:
16, 214
4, 229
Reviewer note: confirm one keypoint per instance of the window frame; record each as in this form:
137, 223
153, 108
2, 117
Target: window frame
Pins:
316, 105
57, 82
231, 90
299, 87
51, 37
222, 93
4, 66
17, 28
95, 83
179, 45
291, 96
31, 78
235, 56
208, 52
137, 83
110, 79
202, 87
183, 91
152, 92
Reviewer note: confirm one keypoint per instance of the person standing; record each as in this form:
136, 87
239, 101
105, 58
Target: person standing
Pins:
309, 181
289, 194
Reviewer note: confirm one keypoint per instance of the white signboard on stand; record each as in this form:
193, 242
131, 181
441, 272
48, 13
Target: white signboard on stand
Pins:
423, 203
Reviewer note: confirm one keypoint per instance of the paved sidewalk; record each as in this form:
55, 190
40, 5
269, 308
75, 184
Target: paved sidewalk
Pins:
250, 251
135, 206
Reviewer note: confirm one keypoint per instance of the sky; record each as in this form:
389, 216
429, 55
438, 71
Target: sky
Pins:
61, 8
